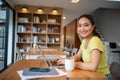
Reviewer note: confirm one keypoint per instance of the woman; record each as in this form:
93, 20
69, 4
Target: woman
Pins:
92, 50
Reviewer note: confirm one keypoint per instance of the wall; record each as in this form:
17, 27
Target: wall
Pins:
108, 22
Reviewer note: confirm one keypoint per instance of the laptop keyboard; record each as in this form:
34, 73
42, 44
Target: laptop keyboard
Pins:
54, 64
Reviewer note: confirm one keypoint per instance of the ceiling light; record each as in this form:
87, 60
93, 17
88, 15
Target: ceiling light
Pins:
39, 9
24, 8
64, 17
55, 10
74, 1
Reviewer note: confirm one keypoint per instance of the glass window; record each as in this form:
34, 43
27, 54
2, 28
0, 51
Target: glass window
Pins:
2, 34
6, 35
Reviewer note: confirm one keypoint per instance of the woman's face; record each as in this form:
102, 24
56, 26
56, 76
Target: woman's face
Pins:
85, 28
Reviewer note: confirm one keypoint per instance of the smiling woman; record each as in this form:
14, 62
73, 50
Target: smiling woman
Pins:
92, 50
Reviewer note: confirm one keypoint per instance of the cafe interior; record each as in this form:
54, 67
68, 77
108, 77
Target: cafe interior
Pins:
35, 30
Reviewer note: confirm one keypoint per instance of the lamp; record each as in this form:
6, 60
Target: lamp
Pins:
34, 49
37, 50
57, 39
24, 8
40, 10
74, 1
55, 10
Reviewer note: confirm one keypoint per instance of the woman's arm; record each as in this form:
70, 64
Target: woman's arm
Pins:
93, 64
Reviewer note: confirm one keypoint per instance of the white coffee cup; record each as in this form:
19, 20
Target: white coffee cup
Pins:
69, 64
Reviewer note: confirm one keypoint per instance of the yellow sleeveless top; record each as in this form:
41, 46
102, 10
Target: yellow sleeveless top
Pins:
95, 43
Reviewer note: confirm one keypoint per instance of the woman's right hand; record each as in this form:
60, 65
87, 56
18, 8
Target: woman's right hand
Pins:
60, 61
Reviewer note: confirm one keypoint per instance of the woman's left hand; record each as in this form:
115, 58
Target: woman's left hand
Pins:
77, 64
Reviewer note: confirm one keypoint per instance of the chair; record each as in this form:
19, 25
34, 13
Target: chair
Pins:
20, 55
113, 45
115, 70
66, 53
115, 49
74, 51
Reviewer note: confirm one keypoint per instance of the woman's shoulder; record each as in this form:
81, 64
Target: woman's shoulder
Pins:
95, 38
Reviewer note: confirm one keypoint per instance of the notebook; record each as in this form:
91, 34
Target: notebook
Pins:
40, 71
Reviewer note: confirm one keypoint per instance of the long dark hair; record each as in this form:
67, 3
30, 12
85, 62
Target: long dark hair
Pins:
92, 20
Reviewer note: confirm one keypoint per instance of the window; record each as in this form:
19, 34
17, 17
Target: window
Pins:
6, 35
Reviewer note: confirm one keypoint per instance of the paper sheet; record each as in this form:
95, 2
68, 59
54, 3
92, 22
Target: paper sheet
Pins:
60, 73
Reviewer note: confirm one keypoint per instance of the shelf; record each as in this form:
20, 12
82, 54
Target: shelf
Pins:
54, 23
54, 33
23, 32
40, 23
54, 43
41, 43
24, 42
24, 22
45, 26
39, 33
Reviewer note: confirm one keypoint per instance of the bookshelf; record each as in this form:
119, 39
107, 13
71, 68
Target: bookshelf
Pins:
46, 26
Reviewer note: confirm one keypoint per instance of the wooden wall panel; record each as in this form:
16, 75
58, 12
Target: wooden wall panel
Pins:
71, 36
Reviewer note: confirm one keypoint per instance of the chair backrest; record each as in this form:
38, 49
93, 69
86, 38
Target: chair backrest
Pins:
115, 70
18, 54
66, 53
74, 51
113, 45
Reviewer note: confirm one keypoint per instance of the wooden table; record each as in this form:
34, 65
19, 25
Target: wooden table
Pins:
11, 72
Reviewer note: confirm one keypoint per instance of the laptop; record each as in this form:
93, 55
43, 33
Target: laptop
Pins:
54, 64
49, 62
